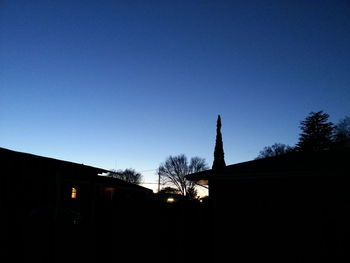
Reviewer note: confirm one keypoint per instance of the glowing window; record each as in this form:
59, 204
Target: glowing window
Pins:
170, 200
74, 193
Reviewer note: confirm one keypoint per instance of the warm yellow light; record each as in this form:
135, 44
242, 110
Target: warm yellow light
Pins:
170, 200
74, 193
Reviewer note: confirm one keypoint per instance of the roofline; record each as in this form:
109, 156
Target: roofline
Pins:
100, 170
240, 169
122, 182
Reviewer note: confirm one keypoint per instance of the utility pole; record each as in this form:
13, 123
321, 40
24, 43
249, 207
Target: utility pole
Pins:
158, 182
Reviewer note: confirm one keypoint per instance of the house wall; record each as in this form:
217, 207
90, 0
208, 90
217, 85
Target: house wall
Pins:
41, 222
37, 212
281, 218
28, 201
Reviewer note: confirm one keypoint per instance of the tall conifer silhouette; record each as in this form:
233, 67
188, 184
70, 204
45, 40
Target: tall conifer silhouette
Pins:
219, 156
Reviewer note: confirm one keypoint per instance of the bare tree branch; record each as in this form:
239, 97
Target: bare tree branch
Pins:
173, 171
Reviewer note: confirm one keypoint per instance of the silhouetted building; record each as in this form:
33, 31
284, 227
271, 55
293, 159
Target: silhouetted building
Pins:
49, 206
294, 207
289, 208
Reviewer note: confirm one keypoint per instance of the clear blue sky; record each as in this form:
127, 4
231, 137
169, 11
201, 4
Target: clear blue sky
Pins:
127, 83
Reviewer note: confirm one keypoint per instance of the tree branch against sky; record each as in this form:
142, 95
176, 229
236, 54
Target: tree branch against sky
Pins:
274, 150
317, 132
342, 130
129, 175
173, 171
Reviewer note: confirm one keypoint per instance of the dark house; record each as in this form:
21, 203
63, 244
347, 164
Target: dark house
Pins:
289, 208
294, 207
50, 208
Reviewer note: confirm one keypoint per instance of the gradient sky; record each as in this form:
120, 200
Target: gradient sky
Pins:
127, 83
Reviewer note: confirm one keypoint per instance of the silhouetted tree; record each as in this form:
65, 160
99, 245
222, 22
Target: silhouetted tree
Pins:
274, 150
169, 190
317, 132
128, 175
342, 133
175, 168
219, 156
192, 192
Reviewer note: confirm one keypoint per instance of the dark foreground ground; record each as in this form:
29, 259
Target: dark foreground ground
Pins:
153, 231
150, 231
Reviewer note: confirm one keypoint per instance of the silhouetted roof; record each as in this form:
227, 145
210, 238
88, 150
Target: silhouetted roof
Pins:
20, 155
296, 163
108, 180
13, 157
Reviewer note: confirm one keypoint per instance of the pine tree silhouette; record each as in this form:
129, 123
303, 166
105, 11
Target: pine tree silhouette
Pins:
219, 156
317, 132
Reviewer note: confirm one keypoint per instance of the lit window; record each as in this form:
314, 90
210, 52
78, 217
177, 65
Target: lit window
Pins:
170, 200
74, 193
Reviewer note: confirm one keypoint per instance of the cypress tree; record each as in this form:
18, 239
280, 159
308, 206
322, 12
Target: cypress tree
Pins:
219, 156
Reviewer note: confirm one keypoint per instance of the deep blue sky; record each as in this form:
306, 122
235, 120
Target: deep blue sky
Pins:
127, 83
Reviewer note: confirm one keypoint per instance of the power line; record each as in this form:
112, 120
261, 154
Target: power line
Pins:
148, 170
